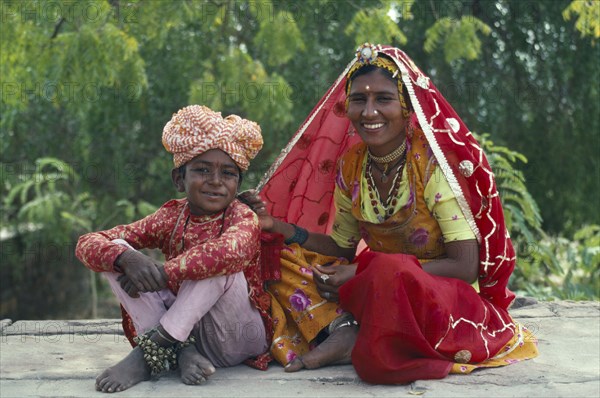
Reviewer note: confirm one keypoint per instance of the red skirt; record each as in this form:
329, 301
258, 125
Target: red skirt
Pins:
414, 325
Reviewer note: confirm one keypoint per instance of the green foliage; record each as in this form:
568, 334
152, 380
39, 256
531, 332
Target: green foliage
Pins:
45, 199
522, 214
522, 217
588, 17
73, 58
579, 260
374, 25
50, 198
104, 55
459, 37
547, 267
87, 87
583, 264
242, 85
535, 85
279, 39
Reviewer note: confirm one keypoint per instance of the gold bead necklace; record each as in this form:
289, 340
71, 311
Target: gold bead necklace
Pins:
390, 157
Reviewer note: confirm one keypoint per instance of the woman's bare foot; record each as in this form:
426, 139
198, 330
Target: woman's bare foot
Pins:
128, 372
195, 368
335, 350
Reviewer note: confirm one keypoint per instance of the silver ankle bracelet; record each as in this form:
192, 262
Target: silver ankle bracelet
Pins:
344, 320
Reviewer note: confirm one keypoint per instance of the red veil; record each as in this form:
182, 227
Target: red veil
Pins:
298, 188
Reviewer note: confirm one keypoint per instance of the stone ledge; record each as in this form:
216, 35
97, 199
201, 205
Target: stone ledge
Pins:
64, 327
63, 357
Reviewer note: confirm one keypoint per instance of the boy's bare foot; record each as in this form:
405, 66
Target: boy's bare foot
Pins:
195, 368
128, 372
335, 350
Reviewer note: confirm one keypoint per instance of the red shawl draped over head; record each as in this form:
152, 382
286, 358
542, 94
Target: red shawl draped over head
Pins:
299, 186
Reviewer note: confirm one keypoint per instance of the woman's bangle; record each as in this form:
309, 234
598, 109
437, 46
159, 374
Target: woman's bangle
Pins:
300, 236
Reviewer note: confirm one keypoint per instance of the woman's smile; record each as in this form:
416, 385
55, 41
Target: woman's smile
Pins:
376, 113
373, 126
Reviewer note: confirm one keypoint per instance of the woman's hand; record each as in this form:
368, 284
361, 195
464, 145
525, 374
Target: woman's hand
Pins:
142, 273
329, 279
252, 199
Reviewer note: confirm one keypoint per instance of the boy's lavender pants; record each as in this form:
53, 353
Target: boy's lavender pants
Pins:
228, 329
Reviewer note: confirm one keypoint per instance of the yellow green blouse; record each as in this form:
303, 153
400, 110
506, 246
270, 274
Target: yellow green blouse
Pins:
426, 209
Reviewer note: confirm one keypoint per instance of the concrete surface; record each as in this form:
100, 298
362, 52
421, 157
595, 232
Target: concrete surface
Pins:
62, 358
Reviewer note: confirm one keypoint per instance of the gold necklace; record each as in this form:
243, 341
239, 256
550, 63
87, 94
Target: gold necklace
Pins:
390, 157
387, 159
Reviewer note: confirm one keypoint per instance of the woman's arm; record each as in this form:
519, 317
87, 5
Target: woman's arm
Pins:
320, 243
462, 249
316, 242
462, 261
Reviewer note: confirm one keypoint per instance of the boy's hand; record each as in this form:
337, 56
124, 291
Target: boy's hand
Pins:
129, 288
142, 272
252, 199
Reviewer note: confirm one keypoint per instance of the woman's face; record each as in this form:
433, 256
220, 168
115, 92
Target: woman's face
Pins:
375, 112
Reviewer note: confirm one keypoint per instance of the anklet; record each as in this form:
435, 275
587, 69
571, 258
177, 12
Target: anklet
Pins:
341, 321
165, 337
180, 346
158, 359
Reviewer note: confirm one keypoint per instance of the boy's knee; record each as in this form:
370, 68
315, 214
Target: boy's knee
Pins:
248, 341
122, 242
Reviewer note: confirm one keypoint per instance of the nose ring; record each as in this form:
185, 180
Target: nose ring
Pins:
376, 112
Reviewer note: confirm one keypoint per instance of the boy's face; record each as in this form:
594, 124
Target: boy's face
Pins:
210, 182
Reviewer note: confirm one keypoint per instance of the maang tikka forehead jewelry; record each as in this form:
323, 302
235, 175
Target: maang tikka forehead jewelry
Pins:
367, 54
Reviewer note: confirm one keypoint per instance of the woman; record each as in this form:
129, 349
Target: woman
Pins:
429, 295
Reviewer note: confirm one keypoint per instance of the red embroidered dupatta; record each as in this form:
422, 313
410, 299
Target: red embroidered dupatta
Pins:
299, 186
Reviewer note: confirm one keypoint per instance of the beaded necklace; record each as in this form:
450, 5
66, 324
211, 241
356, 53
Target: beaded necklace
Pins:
384, 172
387, 159
392, 198
175, 248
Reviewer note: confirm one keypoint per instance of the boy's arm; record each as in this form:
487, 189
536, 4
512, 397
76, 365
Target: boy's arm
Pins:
141, 273
97, 251
233, 251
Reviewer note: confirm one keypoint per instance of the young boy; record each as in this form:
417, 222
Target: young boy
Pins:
205, 306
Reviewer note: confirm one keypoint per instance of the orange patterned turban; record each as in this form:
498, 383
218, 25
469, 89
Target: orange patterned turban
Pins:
196, 129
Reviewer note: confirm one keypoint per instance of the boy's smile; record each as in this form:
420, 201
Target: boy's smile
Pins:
210, 182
